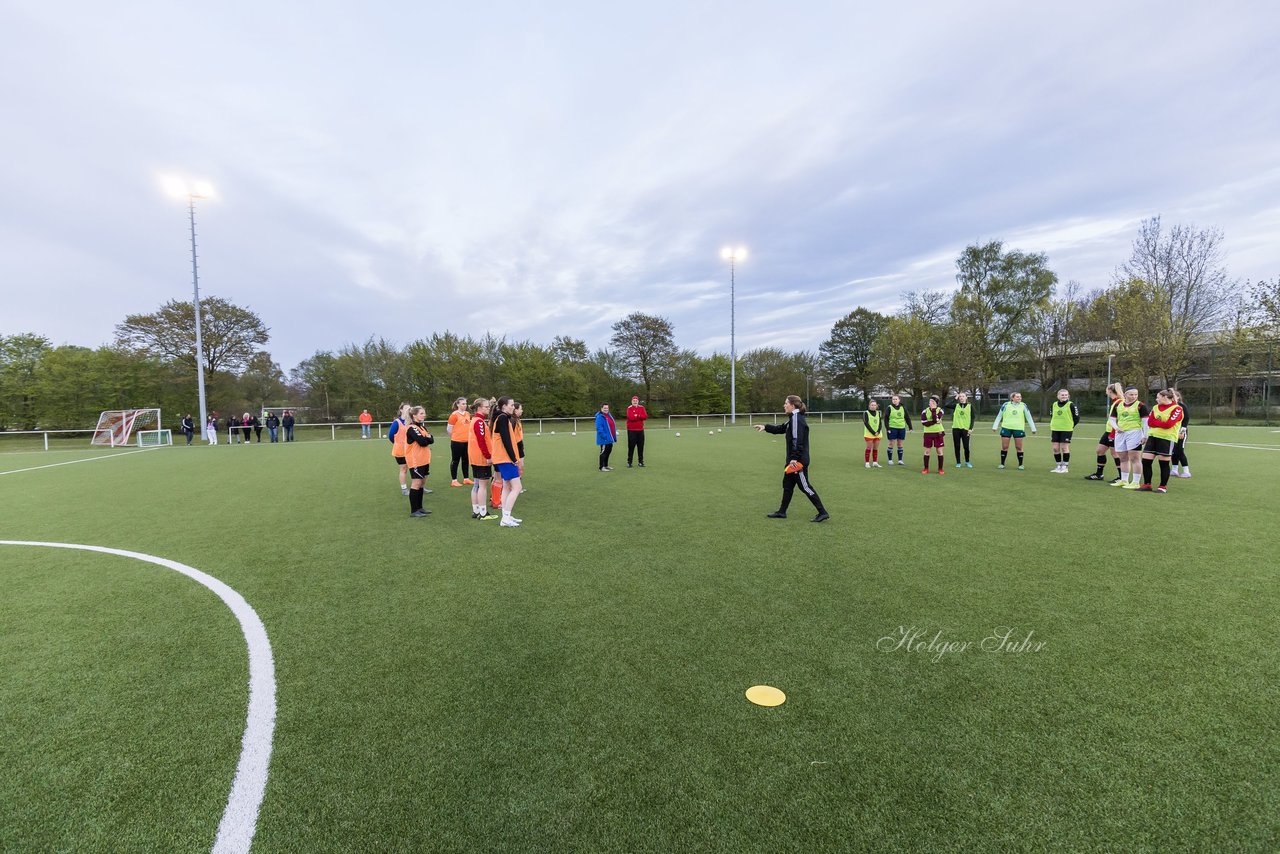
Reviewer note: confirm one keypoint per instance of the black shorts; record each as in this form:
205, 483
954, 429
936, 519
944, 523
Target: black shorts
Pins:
1107, 440
1158, 447
1062, 437
481, 472
420, 472
399, 460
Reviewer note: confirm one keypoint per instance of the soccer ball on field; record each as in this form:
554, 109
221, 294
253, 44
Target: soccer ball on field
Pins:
711, 432
677, 435
719, 430
575, 432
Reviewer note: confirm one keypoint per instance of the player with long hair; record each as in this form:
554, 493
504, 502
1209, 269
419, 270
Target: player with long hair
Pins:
1107, 444
872, 433
1131, 434
962, 428
1163, 425
481, 458
796, 472
1012, 421
396, 436
934, 433
458, 428
418, 458
1181, 468
506, 459
1063, 418
899, 420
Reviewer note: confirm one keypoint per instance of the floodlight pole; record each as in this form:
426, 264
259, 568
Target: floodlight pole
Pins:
733, 352
195, 287
1110, 356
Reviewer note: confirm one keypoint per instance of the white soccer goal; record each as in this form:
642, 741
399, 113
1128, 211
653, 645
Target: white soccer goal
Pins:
116, 426
154, 438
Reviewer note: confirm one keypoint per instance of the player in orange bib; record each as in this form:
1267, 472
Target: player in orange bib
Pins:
459, 427
418, 456
396, 436
506, 459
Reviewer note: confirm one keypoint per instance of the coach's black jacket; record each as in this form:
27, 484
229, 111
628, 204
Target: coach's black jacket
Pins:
797, 431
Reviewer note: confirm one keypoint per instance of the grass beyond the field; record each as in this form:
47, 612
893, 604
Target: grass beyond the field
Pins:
577, 683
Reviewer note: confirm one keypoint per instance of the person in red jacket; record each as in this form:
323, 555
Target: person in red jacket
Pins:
366, 425
636, 416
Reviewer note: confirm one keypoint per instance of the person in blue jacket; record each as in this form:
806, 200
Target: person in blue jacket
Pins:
606, 435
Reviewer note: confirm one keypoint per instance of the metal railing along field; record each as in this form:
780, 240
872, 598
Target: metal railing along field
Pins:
49, 440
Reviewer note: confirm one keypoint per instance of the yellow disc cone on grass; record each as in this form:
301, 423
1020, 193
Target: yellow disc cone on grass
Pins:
766, 695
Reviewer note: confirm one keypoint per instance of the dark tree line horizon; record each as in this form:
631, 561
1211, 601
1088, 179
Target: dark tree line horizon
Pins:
1008, 320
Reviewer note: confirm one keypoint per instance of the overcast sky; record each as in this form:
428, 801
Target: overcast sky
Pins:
398, 169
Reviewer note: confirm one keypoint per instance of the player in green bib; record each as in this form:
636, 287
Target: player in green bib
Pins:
962, 428
872, 433
1012, 421
899, 423
1064, 416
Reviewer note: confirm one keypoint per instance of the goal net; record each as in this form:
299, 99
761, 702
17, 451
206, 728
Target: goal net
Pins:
116, 426
154, 438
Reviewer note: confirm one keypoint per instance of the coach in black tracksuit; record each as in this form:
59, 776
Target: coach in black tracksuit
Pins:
797, 433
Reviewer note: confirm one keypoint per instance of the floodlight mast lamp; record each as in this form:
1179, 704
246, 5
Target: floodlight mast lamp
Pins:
192, 191
733, 254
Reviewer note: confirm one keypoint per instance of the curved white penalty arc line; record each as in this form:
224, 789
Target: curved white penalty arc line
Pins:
240, 818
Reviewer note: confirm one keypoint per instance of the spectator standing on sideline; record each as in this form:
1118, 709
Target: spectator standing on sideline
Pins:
797, 433
211, 429
636, 416
188, 427
606, 435
233, 430
273, 427
257, 427
366, 424
246, 425
1012, 421
287, 423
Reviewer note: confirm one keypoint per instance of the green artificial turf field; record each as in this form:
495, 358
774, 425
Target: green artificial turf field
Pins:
577, 683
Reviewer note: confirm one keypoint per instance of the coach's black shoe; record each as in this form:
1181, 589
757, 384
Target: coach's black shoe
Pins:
642, 465
777, 514
1093, 477
824, 515
1114, 480
417, 514
628, 465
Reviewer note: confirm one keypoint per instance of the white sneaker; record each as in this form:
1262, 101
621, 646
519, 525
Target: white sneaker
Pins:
866, 465
876, 465
1185, 474
509, 523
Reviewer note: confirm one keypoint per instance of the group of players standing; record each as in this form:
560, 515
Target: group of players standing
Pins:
1136, 436
491, 460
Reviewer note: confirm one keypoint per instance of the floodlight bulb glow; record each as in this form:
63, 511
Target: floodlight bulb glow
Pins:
733, 253
174, 186
203, 190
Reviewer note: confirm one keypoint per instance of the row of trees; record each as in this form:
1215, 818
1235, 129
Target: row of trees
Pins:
1169, 311
1008, 321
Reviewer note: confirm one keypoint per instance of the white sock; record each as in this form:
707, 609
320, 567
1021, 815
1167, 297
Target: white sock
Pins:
506, 515
1124, 477
1186, 469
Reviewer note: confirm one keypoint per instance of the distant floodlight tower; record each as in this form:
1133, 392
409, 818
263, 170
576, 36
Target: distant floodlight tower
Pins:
192, 190
733, 254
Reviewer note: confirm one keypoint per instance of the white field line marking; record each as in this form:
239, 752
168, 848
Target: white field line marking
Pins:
1246, 447
240, 818
85, 460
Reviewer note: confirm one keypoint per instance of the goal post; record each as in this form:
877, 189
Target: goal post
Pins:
117, 426
154, 438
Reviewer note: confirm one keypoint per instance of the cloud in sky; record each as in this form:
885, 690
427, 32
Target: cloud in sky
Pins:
401, 169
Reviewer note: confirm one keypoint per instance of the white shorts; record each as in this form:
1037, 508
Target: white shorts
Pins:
1130, 440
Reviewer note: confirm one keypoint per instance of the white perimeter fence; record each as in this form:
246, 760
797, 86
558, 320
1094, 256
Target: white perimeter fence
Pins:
48, 440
